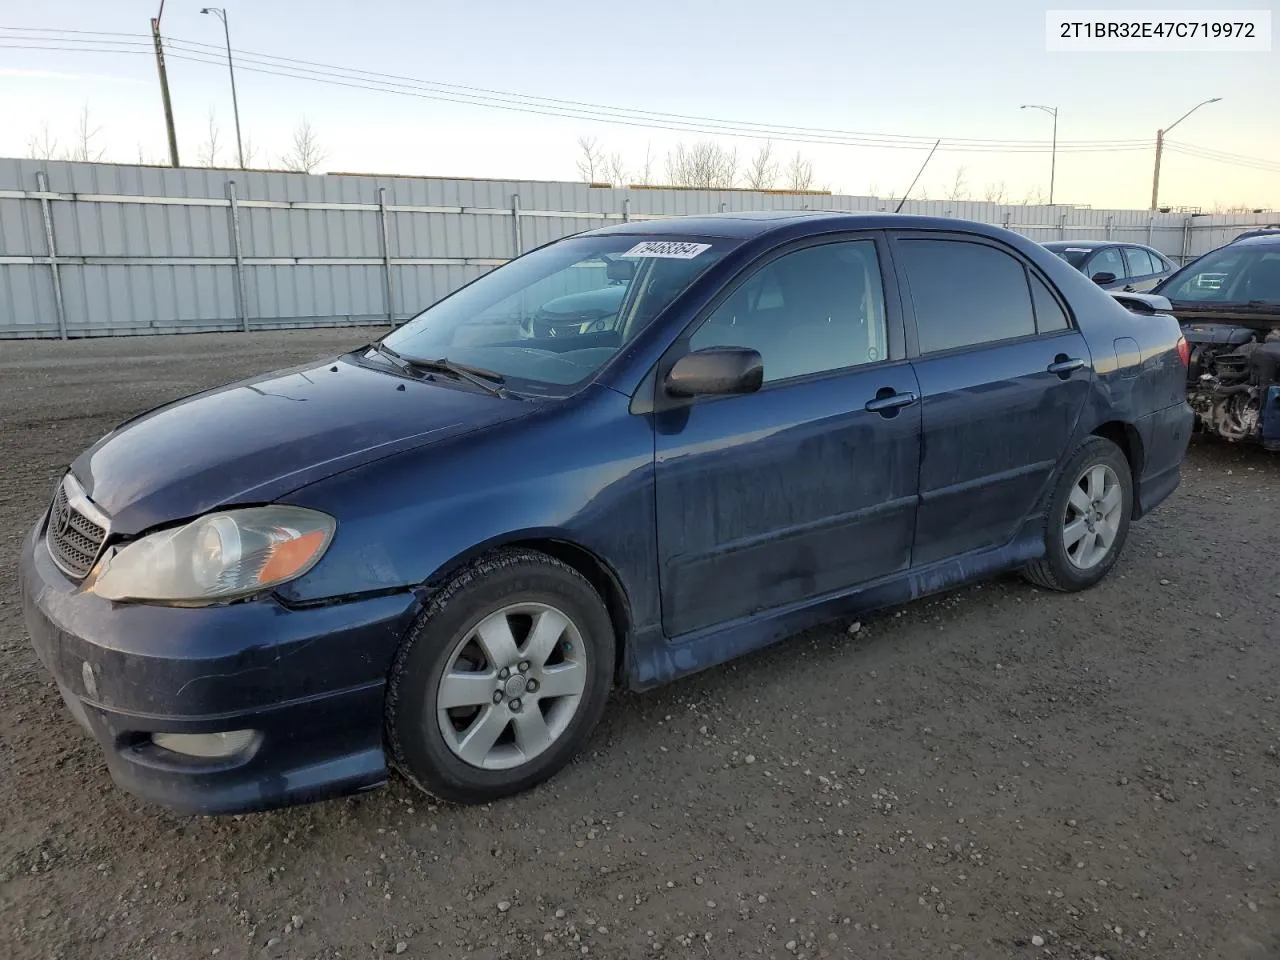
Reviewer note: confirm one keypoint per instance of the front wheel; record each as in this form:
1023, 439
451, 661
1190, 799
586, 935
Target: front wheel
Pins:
1088, 519
501, 680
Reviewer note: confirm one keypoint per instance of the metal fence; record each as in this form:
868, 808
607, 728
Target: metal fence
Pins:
102, 249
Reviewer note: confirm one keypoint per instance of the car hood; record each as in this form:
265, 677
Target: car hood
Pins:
256, 440
1263, 317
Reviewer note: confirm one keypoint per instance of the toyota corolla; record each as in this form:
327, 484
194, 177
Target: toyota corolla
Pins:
439, 551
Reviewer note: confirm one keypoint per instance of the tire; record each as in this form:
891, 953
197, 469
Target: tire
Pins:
457, 650
1068, 563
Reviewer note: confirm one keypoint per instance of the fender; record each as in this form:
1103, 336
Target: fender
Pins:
579, 472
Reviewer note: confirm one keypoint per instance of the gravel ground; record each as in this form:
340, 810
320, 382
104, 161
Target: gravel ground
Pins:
998, 772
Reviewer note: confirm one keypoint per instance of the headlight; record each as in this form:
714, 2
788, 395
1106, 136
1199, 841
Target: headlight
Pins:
218, 557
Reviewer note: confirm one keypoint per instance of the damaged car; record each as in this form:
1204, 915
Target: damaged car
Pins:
1229, 304
438, 552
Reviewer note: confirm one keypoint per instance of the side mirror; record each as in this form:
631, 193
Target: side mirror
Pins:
1104, 278
716, 371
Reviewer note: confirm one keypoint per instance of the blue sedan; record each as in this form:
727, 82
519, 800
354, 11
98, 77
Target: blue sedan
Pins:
440, 551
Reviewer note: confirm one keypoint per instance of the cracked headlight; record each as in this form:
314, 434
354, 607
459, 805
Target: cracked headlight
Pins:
220, 556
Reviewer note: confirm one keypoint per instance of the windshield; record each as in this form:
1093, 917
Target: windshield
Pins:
1073, 255
1234, 274
549, 320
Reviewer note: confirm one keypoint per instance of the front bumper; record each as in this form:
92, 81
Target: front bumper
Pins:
310, 681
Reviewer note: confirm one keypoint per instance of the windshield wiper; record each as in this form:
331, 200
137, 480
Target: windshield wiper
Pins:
395, 358
488, 380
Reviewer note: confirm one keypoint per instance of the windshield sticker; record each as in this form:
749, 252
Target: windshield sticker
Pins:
1077, 250
667, 249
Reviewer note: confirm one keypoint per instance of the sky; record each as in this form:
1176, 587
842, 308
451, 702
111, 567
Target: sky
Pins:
911, 68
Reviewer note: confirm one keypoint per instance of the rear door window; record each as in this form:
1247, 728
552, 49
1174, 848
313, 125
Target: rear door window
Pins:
965, 293
1138, 262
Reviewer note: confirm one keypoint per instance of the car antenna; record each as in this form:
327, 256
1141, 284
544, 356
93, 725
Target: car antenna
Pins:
898, 209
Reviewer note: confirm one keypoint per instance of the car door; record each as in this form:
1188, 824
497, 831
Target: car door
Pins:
1108, 260
1142, 273
808, 486
1003, 377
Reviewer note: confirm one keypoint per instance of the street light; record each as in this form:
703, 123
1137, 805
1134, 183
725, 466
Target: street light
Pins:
1155, 179
1053, 157
221, 14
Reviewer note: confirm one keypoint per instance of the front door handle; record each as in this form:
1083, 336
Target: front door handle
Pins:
888, 401
1064, 366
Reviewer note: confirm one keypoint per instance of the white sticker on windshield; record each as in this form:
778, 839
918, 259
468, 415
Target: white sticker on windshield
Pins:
667, 249
1077, 249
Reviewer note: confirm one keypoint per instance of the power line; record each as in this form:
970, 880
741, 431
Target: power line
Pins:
447, 87
92, 33
1220, 156
479, 96
506, 95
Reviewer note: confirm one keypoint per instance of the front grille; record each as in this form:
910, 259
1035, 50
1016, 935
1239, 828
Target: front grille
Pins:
74, 540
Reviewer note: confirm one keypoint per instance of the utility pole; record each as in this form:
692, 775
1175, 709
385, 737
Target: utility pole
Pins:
1155, 177
221, 14
164, 87
1053, 156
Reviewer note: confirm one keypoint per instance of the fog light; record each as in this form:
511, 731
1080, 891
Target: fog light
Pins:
211, 745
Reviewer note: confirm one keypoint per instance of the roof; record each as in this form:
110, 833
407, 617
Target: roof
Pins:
1260, 240
750, 224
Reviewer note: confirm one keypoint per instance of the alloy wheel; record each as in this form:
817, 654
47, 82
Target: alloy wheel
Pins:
512, 686
1092, 519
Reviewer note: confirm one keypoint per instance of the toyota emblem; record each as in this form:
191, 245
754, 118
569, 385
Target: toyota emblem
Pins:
63, 522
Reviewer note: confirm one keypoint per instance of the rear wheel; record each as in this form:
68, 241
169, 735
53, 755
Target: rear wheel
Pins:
1088, 519
501, 680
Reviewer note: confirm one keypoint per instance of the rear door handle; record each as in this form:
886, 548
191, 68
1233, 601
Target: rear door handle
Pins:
1063, 365
887, 401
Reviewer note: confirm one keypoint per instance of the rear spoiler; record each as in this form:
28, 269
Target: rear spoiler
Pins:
1147, 304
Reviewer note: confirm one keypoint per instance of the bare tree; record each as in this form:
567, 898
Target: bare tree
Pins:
591, 163
306, 153
995, 193
83, 148
616, 170
1034, 197
208, 153
706, 165
873, 190
249, 149
959, 189
44, 146
1222, 207
645, 177
762, 171
800, 173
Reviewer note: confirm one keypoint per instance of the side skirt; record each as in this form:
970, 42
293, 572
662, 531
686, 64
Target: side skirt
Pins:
653, 660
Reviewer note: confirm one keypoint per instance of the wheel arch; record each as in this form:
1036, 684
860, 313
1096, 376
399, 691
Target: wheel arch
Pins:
587, 562
1125, 437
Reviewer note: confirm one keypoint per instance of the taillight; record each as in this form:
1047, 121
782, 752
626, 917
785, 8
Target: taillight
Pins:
1184, 351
